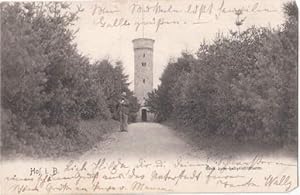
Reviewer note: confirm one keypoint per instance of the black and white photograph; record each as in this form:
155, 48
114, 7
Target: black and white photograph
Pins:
149, 96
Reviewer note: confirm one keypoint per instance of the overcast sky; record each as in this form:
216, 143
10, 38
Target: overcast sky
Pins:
190, 22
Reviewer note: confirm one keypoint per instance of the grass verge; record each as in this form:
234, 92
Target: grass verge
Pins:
224, 146
61, 146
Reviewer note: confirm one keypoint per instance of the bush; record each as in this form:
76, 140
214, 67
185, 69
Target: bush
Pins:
47, 86
243, 85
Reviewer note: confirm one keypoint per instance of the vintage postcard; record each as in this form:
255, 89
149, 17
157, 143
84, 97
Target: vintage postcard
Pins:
149, 96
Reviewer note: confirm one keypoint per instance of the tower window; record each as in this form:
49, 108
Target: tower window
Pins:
144, 80
144, 55
143, 63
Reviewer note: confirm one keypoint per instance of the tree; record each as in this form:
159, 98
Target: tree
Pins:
161, 101
47, 86
243, 85
22, 73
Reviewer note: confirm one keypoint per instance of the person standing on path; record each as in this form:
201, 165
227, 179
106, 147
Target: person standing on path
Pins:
124, 111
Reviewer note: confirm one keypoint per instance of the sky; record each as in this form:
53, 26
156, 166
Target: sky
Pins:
107, 27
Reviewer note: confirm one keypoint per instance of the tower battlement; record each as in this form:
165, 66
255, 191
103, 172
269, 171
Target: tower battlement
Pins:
143, 43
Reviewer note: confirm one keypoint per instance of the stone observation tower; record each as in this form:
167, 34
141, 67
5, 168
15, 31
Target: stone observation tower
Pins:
143, 74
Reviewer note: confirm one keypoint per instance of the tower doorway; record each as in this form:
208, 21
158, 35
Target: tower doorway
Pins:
144, 115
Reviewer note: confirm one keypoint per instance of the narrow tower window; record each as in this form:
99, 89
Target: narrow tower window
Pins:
144, 55
143, 63
144, 80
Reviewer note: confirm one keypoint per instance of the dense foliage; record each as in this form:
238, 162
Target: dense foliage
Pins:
47, 87
243, 85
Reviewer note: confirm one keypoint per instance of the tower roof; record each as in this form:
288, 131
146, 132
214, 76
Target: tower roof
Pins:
143, 43
137, 39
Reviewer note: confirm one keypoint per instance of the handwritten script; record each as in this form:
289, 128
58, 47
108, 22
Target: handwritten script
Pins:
154, 15
119, 175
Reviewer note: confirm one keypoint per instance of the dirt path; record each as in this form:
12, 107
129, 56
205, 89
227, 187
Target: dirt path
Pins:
143, 140
153, 158
157, 141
